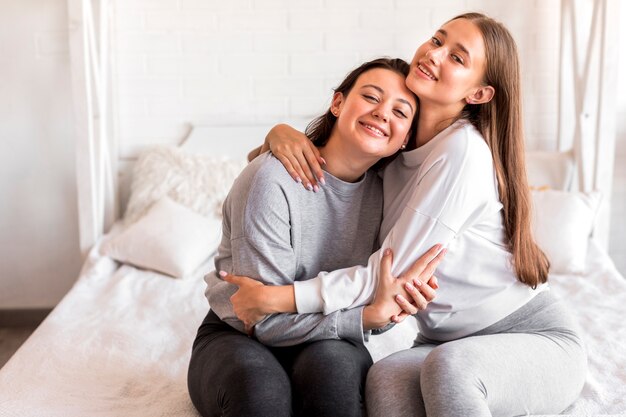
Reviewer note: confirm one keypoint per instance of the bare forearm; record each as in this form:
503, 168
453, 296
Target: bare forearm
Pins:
279, 299
258, 151
373, 319
254, 153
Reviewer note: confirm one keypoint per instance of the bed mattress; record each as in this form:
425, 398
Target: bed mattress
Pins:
119, 342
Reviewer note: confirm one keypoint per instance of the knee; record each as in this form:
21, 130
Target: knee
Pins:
329, 379
382, 379
334, 362
381, 390
257, 380
247, 387
450, 371
254, 390
393, 386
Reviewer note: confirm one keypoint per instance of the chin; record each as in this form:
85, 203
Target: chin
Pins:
413, 84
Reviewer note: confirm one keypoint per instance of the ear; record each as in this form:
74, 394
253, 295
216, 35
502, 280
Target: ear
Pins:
409, 135
337, 104
482, 95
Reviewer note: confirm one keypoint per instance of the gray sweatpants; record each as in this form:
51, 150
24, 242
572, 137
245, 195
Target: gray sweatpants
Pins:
531, 362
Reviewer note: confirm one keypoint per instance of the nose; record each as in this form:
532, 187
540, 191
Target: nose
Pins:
435, 55
380, 112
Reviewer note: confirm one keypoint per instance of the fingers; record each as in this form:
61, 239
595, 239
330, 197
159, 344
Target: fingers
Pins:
419, 301
399, 318
292, 166
233, 279
297, 153
425, 266
433, 282
309, 178
385, 265
297, 166
432, 265
405, 305
314, 159
427, 291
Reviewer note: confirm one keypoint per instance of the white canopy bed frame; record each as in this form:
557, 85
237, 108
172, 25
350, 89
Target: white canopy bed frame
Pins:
119, 342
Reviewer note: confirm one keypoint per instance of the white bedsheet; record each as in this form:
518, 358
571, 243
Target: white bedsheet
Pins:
119, 343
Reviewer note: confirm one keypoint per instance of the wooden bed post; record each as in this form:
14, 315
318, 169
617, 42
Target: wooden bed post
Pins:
587, 100
95, 147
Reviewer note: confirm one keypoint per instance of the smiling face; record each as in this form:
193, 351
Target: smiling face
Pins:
375, 117
448, 69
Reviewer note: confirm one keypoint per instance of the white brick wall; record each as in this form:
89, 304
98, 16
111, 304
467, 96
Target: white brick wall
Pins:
182, 61
258, 60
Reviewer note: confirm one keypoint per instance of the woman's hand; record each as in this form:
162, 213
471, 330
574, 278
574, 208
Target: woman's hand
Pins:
249, 301
297, 153
391, 302
419, 282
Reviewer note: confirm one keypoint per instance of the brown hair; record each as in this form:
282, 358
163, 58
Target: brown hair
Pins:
319, 129
500, 123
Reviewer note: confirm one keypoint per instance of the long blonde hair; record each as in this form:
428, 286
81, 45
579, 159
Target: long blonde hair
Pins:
500, 123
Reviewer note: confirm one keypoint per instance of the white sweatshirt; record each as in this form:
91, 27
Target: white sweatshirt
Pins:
443, 192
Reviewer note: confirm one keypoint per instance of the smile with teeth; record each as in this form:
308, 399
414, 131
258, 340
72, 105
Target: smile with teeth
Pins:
374, 129
425, 71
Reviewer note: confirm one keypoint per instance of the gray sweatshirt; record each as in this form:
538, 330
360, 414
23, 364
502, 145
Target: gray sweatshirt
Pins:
278, 233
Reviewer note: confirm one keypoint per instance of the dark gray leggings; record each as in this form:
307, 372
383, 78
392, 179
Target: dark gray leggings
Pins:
231, 374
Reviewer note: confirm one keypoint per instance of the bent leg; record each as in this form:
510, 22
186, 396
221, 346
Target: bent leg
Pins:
328, 379
502, 375
231, 374
393, 384
531, 362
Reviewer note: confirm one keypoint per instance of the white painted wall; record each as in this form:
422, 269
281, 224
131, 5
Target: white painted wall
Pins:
39, 255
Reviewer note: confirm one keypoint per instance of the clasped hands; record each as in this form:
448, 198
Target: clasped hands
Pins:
395, 299
398, 297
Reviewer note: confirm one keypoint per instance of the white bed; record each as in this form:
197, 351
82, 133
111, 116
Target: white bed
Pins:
119, 342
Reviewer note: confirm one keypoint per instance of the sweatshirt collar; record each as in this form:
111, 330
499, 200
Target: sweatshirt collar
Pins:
342, 186
417, 156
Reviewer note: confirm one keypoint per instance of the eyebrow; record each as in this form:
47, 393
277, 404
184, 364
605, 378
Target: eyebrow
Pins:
383, 92
461, 47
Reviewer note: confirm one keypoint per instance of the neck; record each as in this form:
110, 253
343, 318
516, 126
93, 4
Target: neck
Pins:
343, 162
433, 119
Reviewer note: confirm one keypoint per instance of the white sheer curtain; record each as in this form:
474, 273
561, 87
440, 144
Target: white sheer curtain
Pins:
587, 104
95, 147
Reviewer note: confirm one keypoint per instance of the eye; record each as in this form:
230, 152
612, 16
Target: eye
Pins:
401, 113
457, 58
435, 41
370, 98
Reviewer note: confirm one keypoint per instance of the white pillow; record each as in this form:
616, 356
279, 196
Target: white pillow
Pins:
200, 182
547, 169
170, 239
562, 224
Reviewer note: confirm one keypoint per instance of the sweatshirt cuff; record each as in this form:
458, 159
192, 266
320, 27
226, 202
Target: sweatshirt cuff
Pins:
350, 325
308, 296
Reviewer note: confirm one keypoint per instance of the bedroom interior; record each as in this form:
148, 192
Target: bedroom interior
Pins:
153, 98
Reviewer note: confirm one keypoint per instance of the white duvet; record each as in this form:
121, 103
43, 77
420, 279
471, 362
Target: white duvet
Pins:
119, 343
